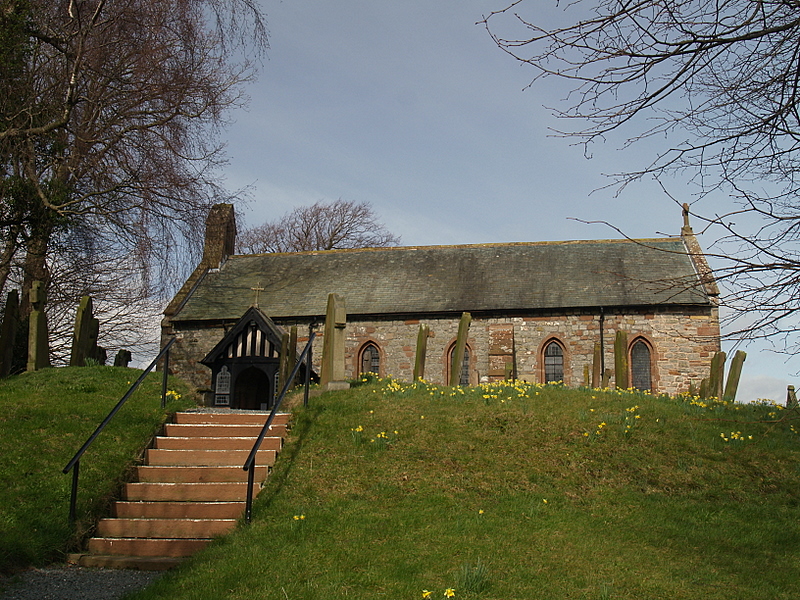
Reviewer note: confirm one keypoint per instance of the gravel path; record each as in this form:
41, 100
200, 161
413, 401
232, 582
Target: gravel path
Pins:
74, 583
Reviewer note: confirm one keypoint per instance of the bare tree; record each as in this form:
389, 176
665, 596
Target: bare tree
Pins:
110, 114
718, 83
321, 226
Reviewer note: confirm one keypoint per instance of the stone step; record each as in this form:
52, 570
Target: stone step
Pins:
215, 443
179, 510
146, 547
141, 563
191, 489
194, 474
221, 430
187, 492
207, 457
253, 418
164, 528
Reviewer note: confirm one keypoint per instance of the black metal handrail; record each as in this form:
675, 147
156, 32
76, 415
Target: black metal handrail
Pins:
75, 463
250, 463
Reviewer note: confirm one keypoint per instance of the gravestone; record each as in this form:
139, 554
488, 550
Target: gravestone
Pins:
93, 350
284, 370
458, 351
597, 366
791, 397
292, 350
621, 360
605, 379
84, 336
81, 348
716, 376
422, 352
8, 333
123, 358
332, 371
734, 373
38, 348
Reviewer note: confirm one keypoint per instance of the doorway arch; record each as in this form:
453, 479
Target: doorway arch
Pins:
253, 390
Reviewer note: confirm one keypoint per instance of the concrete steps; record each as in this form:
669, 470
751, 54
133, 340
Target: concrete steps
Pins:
190, 490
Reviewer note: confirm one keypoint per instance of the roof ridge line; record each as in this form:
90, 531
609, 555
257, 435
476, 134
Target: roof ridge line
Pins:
481, 245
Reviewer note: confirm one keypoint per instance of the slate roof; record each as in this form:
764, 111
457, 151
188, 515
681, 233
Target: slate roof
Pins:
444, 279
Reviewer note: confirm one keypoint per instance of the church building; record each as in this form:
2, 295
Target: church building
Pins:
539, 309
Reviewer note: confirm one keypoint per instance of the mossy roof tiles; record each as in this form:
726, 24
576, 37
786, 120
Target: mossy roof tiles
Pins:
443, 279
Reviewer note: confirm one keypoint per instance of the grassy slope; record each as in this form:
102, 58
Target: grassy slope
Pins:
44, 419
520, 482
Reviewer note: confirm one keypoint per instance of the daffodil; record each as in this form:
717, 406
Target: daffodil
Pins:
449, 593
426, 593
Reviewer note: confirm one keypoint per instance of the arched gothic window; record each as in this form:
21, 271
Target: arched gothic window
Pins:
370, 359
553, 362
641, 377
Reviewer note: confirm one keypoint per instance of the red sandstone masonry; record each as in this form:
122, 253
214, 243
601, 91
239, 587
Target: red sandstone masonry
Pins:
683, 343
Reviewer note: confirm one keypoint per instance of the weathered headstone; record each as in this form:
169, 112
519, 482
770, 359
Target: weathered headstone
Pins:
94, 352
123, 358
511, 372
332, 371
586, 371
80, 333
458, 351
422, 351
621, 360
38, 348
716, 376
605, 379
292, 356
8, 333
85, 335
284, 369
597, 366
734, 373
791, 397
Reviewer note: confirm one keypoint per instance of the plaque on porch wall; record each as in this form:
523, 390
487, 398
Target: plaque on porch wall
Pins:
223, 391
224, 381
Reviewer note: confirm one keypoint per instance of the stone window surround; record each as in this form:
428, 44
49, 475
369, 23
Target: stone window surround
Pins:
565, 353
359, 355
654, 378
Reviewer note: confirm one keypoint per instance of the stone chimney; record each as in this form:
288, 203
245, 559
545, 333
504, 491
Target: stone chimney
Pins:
220, 235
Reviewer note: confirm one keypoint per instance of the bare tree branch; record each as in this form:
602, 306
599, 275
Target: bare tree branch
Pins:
719, 83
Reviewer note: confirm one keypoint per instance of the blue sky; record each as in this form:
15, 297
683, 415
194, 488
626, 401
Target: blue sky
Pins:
410, 106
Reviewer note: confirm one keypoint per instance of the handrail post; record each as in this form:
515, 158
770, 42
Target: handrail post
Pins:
74, 462
251, 476
164, 380
73, 496
250, 463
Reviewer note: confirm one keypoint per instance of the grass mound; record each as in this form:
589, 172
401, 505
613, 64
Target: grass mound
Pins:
45, 417
505, 491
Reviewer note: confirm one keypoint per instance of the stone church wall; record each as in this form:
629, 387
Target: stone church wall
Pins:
682, 342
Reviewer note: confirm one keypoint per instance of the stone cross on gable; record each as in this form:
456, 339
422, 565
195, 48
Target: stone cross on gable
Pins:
257, 289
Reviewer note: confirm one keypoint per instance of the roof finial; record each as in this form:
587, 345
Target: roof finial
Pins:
686, 216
